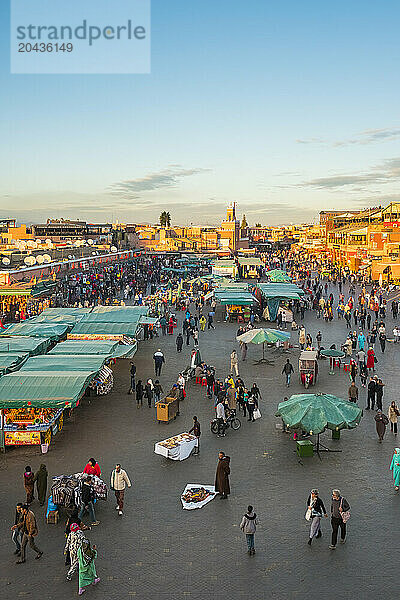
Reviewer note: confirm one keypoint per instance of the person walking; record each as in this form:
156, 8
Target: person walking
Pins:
251, 406
371, 359
148, 388
196, 432
210, 324
393, 415
29, 528
87, 568
339, 516
75, 539
159, 359
17, 533
302, 337
315, 510
353, 392
395, 467
202, 322
222, 476
179, 342
41, 483
243, 348
87, 504
234, 363
249, 526
379, 385
119, 481
29, 484
139, 393
133, 377
381, 422
287, 371
382, 341
371, 394
319, 340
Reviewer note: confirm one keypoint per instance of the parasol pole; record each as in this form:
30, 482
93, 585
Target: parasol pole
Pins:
263, 350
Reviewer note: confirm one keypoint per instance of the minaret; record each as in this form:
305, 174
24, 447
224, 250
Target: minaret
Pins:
231, 212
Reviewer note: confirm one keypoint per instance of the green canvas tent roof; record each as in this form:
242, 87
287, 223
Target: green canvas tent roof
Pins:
50, 330
115, 314
65, 362
105, 347
237, 298
281, 290
19, 343
41, 389
60, 315
223, 263
108, 348
89, 328
11, 362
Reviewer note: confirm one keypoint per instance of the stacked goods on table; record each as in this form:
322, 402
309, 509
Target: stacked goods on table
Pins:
103, 382
174, 441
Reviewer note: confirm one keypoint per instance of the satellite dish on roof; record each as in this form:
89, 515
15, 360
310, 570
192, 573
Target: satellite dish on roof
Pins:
90, 242
46, 258
39, 242
114, 249
29, 261
70, 256
5, 260
40, 259
48, 241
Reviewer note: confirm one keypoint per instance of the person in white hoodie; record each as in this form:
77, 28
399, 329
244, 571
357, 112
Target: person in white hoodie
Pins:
119, 480
249, 526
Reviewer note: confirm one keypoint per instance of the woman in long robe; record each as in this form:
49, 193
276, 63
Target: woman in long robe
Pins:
41, 483
87, 568
222, 476
395, 467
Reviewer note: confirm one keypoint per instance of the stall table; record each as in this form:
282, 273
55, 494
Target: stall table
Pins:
178, 447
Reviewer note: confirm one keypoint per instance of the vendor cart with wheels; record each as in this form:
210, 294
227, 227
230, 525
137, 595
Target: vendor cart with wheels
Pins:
167, 409
308, 367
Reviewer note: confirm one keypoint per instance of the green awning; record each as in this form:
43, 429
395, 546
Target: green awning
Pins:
91, 363
284, 291
19, 343
26, 328
88, 328
11, 362
115, 314
105, 347
40, 389
60, 315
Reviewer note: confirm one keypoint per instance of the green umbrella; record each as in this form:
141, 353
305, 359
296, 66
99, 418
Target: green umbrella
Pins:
262, 336
314, 413
332, 353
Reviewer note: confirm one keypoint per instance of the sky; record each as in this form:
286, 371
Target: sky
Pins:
287, 108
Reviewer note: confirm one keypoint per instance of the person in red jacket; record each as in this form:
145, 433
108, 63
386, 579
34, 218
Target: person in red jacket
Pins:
92, 468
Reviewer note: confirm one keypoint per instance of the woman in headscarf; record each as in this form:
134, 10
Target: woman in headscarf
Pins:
87, 568
41, 483
75, 539
317, 509
29, 484
395, 467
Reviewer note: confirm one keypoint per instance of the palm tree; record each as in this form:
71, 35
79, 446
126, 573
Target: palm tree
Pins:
165, 219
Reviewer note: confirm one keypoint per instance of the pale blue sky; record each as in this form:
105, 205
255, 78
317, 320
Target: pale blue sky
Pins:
286, 108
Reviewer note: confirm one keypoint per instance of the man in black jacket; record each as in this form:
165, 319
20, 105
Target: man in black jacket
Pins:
371, 394
87, 501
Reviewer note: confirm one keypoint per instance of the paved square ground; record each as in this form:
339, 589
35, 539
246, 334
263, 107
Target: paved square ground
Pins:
157, 550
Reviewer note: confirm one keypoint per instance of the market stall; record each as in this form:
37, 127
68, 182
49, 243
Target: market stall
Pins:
110, 348
32, 403
178, 447
19, 343
10, 362
277, 294
29, 329
238, 303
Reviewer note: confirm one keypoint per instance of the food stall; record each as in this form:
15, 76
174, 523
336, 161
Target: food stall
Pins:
177, 447
196, 495
237, 302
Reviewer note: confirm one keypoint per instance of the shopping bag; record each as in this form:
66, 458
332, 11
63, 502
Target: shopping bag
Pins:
307, 516
257, 414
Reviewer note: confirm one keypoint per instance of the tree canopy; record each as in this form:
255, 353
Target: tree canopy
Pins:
165, 219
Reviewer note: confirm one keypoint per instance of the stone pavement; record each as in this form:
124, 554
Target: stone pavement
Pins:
157, 550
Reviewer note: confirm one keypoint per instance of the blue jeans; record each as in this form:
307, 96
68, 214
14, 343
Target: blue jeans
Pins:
250, 541
17, 538
288, 375
90, 508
